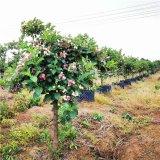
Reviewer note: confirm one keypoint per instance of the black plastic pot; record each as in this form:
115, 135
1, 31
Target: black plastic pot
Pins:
104, 89
87, 95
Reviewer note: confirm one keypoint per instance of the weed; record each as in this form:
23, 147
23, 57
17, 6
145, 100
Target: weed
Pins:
113, 110
24, 134
90, 136
22, 101
98, 116
40, 120
45, 137
10, 150
66, 133
5, 111
101, 99
142, 121
85, 124
74, 146
7, 123
122, 124
127, 116
157, 86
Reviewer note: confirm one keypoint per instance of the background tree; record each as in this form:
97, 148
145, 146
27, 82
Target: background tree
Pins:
3, 52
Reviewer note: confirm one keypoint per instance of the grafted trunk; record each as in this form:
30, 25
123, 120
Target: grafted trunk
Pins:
55, 129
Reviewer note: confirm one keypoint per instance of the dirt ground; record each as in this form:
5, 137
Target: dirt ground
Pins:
113, 138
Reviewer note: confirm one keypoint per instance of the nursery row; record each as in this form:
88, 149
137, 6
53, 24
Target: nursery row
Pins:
88, 95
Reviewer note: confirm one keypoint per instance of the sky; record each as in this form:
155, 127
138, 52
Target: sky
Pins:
130, 25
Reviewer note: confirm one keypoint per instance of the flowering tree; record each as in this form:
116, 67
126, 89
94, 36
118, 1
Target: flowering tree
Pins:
53, 66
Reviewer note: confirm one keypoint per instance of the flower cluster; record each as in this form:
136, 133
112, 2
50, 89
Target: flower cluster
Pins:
72, 67
42, 76
26, 57
66, 98
63, 54
71, 82
75, 94
62, 76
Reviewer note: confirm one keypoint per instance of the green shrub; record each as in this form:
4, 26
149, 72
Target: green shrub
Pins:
24, 134
22, 101
67, 132
17, 138
5, 111
40, 120
98, 116
7, 123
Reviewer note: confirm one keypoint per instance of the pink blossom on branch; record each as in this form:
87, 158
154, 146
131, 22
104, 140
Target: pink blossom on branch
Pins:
33, 71
42, 76
61, 76
71, 82
67, 98
63, 54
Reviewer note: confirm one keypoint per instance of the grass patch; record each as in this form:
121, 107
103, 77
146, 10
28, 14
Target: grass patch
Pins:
7, 123
17, 138
40, 120
101, 99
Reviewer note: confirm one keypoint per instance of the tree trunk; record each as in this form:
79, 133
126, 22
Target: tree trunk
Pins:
55, 129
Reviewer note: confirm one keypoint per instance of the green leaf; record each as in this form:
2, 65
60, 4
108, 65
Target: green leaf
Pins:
47, 98
73, 114
38, 90
57, 96
53, 71
52, 88
34, 79
84, 76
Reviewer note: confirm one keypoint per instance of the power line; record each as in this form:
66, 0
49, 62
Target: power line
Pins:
119, 17
125, 12
124, 8
126, 19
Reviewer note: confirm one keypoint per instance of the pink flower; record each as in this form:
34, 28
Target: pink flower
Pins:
19, 68
60, 45
67, 98
63, 54
68, 45
42, 76
44, 68
71, 82
61, 76
68, 50
33, 71
49, 48
72, 67
65, 65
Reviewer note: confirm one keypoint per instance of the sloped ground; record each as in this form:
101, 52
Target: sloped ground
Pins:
136, 136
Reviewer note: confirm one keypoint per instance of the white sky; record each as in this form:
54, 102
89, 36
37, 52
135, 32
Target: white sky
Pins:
137, 37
